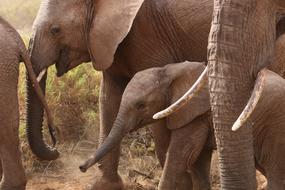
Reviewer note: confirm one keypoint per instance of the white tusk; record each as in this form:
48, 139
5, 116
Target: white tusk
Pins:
185, 98
251, 104
42, 73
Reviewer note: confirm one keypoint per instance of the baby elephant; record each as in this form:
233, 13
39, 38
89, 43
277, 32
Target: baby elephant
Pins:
191, 127
148, 92
12, 51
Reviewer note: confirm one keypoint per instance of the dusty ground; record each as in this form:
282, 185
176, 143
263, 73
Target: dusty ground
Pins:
139, 168
140, 172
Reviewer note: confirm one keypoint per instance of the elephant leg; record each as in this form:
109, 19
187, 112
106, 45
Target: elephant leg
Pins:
161, 135
185, 146
110, 97
201, 170
185, 182
173, 170
13, 176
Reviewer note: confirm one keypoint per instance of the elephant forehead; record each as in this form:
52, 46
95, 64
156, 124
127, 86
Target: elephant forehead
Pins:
145, 79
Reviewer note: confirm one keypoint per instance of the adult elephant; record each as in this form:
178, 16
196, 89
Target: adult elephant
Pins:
241, 44
12, 52
120, 37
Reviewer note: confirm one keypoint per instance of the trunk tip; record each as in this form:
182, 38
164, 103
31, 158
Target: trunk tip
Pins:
82, 168
88, 163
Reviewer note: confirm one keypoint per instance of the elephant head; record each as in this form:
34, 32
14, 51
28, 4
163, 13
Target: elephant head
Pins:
241, 43
142, 98
67, 33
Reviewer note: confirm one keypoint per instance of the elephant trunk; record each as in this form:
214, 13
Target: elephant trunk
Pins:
230, 84
114, 138
34, 128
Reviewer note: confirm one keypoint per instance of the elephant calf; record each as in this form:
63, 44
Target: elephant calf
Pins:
12, 51
191, 137
148, 92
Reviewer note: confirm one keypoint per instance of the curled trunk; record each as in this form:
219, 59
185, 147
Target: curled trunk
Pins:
35, 113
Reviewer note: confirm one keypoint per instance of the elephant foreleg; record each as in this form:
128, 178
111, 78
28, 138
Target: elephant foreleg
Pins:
110, 97
184, 149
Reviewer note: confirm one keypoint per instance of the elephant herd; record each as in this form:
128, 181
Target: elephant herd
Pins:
230, 54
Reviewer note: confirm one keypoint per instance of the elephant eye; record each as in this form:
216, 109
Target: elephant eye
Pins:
54, 30
140, 105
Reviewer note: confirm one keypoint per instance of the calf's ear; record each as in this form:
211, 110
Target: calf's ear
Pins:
183, 77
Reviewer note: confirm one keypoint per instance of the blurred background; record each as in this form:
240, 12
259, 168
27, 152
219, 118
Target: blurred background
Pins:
73, 100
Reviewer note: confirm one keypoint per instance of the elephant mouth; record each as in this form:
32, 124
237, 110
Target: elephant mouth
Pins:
139, 124
62, 63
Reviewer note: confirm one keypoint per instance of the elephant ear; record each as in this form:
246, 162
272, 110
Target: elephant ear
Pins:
112, 21
183, 77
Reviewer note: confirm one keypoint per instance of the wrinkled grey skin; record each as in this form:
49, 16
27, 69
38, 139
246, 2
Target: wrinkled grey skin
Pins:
268, 126
12, 52
156, 88
241, 43
191, 144
13, 171
163, 32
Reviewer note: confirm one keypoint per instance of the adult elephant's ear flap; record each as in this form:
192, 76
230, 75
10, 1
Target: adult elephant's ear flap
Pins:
183, 77
112, 20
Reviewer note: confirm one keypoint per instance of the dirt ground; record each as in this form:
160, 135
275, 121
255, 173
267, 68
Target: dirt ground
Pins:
140, 170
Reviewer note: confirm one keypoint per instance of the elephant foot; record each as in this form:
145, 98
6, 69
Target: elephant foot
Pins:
103, 183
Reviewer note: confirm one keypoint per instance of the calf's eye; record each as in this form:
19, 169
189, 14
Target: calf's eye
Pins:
54, 30
140, 105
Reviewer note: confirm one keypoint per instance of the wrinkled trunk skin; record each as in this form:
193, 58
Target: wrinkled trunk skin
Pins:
231, 83
119, 130
114, 139
117, 133
34, 128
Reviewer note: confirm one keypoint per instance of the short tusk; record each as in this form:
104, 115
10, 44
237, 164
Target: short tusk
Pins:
251, 104
185, 98
42, 73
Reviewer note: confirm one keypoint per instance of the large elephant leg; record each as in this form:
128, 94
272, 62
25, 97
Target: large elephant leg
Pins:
185, 146
110, 97
161, 135
13, 177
